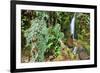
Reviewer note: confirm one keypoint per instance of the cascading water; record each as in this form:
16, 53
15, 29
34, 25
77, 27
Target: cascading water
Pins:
72, 26
72, 30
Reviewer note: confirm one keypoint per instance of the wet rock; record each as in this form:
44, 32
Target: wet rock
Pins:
83, 55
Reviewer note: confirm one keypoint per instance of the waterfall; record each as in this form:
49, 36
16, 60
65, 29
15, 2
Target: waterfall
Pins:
72, 26
72, 30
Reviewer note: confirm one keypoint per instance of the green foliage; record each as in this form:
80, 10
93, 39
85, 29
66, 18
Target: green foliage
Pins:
83, 26
55, 35
38, 30
26, 17
23, 40
45, 29
83, 29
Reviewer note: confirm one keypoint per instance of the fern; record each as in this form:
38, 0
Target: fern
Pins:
39, 31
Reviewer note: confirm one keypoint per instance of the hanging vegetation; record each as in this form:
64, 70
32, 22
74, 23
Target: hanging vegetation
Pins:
46, 36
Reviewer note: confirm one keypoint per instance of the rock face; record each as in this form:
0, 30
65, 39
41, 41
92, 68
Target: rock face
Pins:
70, 42
26, 57
83, 55
81, 52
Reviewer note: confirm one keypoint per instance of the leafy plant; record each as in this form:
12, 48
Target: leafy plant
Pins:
44, 31
55, 35
38, 31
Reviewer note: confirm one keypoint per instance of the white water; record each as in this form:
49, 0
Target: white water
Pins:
72, 26
72, 29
